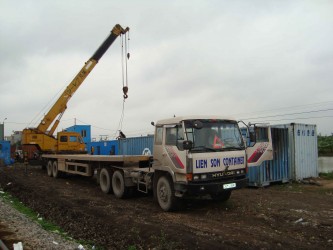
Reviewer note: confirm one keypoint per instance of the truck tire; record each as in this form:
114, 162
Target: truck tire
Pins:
222, 196
165, 193
118, 184
55, 170
105, 180
49, 168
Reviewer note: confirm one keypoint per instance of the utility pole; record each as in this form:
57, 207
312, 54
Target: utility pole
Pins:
2, 130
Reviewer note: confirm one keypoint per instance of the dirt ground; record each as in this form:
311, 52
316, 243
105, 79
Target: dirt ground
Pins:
281, 216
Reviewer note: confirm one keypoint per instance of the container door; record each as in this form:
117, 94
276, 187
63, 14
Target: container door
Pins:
262, 150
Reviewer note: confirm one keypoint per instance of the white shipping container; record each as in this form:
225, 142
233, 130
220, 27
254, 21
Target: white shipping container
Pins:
304, 151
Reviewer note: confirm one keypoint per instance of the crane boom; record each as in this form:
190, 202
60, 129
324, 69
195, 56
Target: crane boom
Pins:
61, 104
41, 138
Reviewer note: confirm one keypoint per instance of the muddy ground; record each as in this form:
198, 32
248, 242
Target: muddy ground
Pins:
282, 216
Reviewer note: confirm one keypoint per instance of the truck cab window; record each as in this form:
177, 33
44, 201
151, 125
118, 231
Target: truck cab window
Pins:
73, 139
174, 136
159, 135
261, 134
171, 136
63, 138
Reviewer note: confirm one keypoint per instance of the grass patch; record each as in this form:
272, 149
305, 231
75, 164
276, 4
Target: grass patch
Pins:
326, 176
19, 206
162, 242
46, 225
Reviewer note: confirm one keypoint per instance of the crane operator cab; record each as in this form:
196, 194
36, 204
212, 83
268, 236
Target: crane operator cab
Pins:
71, 142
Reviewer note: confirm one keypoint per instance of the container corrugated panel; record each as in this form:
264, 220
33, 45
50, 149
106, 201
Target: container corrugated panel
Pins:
305, 151
276, 170
281, 154
259, 176
136, 145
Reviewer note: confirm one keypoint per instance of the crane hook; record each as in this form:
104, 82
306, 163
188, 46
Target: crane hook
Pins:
125, 90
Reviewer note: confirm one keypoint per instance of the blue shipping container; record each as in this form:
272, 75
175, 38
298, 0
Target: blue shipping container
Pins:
5, 153
103, 147
83, 130
295, 155
142, 145
278, 169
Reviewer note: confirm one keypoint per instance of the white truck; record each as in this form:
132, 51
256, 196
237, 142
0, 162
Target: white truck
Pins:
192, 156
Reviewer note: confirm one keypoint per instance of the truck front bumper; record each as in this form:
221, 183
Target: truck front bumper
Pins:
193, 188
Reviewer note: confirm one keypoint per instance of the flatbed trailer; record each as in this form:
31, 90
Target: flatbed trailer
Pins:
119, 173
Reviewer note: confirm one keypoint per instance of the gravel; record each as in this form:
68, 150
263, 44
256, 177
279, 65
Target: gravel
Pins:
16, 226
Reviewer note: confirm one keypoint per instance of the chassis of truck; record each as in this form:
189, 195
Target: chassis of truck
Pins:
192, 156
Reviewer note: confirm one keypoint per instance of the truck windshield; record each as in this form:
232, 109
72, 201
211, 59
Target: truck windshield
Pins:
213, 135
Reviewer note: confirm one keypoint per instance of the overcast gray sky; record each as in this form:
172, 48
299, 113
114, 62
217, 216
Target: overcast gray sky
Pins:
260, 61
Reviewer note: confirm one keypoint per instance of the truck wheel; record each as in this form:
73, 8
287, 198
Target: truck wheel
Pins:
55, 171
165, 194
222, 196
118, 184
49, 168
105, 180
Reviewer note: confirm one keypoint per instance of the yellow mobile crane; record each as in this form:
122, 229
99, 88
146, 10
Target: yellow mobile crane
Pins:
67, 142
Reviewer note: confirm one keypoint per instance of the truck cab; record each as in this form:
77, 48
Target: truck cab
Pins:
198, 155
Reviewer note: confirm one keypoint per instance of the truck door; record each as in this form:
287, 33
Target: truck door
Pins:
261, 149
166, 152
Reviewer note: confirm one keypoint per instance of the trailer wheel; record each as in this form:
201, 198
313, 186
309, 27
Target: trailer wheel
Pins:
105, 180
49, 168
222, 196
118, 184
55, 170
165, 194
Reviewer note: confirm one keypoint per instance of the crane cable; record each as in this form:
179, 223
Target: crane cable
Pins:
124, 74
124, 79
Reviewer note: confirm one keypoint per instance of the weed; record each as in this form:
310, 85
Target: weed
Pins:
326, 176
162, 242
135, 232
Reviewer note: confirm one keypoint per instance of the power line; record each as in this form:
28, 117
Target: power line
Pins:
298, 113
300, 118
95, 126
288, 107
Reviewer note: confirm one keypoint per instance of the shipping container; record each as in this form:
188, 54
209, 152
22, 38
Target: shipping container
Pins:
295, 155
103, 147
83, 130
5, 158
304, 151
276, 170
142, 145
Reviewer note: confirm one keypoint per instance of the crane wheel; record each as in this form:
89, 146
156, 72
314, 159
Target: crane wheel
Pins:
49, 168
55, 171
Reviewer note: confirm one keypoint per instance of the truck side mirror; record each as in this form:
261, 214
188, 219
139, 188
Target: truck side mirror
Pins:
197, 124
187, 145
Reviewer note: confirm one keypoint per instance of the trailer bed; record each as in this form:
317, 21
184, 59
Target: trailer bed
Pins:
99, 158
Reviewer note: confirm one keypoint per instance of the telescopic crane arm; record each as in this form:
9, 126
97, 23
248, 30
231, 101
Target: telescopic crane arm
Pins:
60, 106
